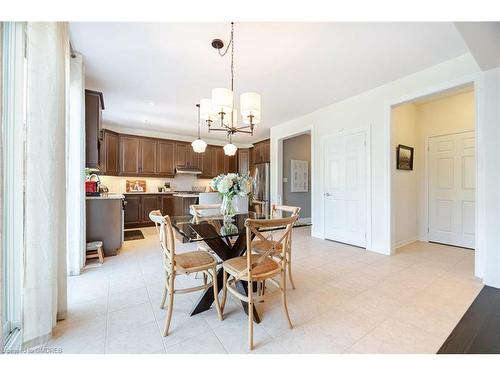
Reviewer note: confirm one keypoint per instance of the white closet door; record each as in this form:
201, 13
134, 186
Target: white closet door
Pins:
452, 185
345, 189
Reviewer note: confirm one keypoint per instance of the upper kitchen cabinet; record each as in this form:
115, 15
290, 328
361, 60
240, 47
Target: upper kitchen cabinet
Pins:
129, 155
147, 156
230, 164
243, 161
207, 163
166, 158
193, 158
138, 156
219, 162
94, 104
110, 151
181, 158
266, 151
261, 152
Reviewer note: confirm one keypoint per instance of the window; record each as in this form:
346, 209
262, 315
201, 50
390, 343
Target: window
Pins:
13, 134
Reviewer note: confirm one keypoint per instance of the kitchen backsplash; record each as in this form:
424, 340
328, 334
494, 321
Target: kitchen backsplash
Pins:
181, 182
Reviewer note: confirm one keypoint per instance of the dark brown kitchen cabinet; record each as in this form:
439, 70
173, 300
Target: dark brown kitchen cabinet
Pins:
181, 154
243, 161
167, 205
129, 147
230, 164
261, 152
139, 206
147, 159
133, 211
94, 104
149, 203
219, 161
266, 151
193, 158
207, 163
166, 164
110, 151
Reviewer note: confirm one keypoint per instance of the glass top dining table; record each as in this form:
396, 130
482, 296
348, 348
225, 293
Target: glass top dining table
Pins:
221, 239
212, 227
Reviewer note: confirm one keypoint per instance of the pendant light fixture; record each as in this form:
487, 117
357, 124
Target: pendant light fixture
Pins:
220, 113
199, 145
230, 149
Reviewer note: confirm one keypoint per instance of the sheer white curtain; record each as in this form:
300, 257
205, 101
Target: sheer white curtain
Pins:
44, 284
1, 195
76, 167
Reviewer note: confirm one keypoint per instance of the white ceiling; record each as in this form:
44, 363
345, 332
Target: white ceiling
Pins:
297, 67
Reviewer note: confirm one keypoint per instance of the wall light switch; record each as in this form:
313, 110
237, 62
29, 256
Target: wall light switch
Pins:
285, 179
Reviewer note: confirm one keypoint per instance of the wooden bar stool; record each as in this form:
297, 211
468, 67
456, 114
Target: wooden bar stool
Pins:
94, 250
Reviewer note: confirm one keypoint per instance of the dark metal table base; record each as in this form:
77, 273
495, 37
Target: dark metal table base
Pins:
225, 251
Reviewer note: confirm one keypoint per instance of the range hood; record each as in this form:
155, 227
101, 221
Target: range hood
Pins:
187, 170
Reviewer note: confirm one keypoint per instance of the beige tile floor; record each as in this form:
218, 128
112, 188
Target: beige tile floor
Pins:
347, 300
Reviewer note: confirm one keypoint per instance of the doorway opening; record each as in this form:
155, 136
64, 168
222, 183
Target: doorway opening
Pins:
296, 173
433, 169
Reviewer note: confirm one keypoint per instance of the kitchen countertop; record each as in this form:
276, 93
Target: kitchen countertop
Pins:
149, 192
187, 195
107, 196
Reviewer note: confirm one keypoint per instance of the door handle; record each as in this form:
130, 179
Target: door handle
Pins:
328, 195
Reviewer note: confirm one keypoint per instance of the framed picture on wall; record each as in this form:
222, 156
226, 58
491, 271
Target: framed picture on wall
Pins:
300, 176
404, 156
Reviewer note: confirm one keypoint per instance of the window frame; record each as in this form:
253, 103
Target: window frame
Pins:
13, 126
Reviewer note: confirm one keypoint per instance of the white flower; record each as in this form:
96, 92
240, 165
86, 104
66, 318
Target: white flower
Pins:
225, 184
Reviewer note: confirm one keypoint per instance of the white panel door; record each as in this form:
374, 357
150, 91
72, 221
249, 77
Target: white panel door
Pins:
345, 188
452, 186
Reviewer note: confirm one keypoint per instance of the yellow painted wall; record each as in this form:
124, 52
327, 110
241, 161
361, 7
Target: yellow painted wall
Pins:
413, 124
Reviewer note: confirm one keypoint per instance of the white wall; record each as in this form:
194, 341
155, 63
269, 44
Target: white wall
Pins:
404, 183
487, 259
369, 109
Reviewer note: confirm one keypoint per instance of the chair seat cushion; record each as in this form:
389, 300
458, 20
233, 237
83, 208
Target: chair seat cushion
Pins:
263, 246
264, 270
194, 259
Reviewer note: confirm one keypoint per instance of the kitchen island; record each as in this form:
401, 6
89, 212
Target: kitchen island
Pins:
104, 221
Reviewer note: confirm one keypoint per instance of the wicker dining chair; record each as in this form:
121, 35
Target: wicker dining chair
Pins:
261, 246
259, 267
179, 264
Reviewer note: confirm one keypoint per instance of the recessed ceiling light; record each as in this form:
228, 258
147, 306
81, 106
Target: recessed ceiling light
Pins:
152, 104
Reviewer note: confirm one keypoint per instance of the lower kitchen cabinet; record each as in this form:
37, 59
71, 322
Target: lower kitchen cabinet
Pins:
139, 206
167, 205
149, 203
133, 211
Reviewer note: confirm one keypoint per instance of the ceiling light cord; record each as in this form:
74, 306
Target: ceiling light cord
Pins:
198, 106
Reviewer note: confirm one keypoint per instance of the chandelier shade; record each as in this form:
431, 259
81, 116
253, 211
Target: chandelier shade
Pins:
230, 149
250, 104
206, 111
222, 100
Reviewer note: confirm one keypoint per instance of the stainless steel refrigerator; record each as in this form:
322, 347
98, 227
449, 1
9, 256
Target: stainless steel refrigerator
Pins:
261, 188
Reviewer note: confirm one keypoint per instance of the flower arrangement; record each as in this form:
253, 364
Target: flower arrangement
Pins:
229, 186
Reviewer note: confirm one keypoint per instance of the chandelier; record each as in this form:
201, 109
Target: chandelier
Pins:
220, 113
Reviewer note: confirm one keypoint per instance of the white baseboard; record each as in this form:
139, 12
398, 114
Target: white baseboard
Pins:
406, 242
